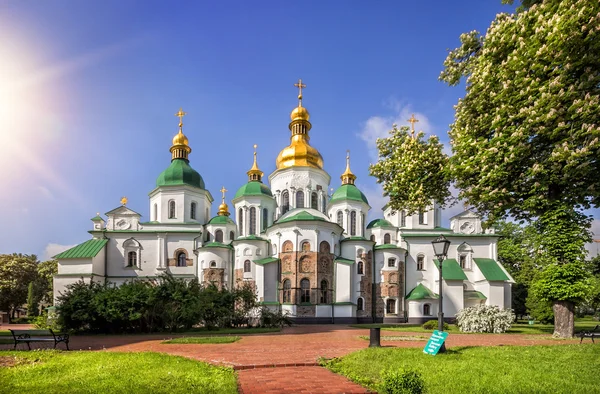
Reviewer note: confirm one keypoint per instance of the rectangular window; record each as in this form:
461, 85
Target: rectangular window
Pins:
462, 259
391, 262
421, 218
420, 263
390, 306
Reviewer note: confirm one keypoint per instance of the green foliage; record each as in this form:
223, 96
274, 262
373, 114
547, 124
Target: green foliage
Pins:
401, 382
433, 325
32, 303
484, 318
413, 171
16, 272
44, 282
53, 372
562, 282
272, 319
541, 311
481, 369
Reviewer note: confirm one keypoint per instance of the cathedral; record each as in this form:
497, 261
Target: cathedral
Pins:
306, 253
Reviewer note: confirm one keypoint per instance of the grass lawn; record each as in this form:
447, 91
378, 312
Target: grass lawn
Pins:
236, 331
581, 324
213, 339
499, 369
107, 372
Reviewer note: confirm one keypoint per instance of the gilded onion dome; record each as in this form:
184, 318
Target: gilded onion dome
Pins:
299, 152
180, 148
223, 208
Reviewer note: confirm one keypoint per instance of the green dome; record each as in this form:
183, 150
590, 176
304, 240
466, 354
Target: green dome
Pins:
348, 192
221, 220
253, 189
180, 173
379, 223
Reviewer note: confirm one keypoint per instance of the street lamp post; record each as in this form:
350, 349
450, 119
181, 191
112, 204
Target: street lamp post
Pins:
440, 249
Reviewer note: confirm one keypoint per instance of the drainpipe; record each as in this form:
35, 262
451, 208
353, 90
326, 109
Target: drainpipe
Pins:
105, 258
404, 298
373, 286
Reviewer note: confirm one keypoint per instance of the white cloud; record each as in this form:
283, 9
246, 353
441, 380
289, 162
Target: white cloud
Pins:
54, 249
379, 126
376, 200
45, 192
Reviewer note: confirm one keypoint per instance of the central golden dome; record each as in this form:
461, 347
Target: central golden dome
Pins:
299, 153
180, 139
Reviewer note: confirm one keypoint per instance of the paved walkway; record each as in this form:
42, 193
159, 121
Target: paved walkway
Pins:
268, 363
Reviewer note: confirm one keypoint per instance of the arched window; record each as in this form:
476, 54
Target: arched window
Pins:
306, 246
390, 306
171, 209
465, 255
421, 217
207, 215
387, 239
285, 202
360, 268
193, 210
360, 304
131, 259
181, 259
323, 292
155, 213
231, 235
207, 236
304, 291
340, 218
252, 229
353, 223
287, 246
247, 266
362, 224
299, 199
372, 238
241, 221
402, 218
218, 236
213, 264
324, 247
314, 200
287, 291
427, 310
420, 262
265, 219
324, 203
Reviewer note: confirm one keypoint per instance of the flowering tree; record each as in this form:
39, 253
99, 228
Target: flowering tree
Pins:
526, 136
413, 171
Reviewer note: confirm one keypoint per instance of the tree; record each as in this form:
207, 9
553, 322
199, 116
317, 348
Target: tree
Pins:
526, 136
44, 281
16, 272
32, 302
413, 171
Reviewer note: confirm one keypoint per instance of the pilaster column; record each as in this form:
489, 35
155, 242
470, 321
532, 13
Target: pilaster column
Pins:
162, 252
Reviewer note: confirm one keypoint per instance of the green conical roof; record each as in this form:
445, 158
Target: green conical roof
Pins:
421, 292
253, 188
180, 173
348, 192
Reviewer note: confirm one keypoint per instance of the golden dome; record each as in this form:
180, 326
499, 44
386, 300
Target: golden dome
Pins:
180, 139
300, 113
223, 208
348, 177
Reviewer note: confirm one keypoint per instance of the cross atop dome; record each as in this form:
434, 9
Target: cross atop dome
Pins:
412, 122
300, 86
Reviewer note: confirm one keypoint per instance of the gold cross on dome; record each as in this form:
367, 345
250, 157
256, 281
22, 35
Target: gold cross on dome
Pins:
300, 86
180, 114
223, 190
412, 122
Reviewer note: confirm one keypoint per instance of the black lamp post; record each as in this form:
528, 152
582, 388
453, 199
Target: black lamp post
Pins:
440, 248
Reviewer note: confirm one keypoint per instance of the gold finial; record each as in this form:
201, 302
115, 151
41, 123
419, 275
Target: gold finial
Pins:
412, 122
254, 174
348, 177
180, 115
223, 208
300, 85
124, 200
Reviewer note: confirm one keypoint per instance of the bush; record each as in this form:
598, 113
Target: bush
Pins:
401, 382
484, 318
270, 319
433, 325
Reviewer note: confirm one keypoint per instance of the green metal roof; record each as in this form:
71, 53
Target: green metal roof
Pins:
379, 223
96, 218
221, 220
348, 192
355, 238
180, 173
420, 293
474, 295
86, 250
491, 269
451, 270
253, 188
344, 261
252, 238
387, 246
302, 215
266, 260
216, 245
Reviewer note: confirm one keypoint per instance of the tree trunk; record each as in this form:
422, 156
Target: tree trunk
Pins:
564, 319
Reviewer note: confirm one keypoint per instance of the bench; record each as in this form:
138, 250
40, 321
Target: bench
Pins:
29, 336
590, 334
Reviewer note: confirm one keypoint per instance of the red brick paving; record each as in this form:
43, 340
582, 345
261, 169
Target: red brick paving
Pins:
254, 356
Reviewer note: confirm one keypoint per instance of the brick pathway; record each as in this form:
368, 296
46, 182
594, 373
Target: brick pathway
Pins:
268, 363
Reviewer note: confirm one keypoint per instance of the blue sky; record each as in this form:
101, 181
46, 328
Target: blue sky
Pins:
88, 93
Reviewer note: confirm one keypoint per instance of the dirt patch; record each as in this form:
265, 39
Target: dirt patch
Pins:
9, 361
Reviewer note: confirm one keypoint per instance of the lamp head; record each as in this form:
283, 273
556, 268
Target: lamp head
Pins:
440, 247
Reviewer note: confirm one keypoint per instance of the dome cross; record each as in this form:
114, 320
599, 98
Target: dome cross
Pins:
180, 115
412, 122
300, 86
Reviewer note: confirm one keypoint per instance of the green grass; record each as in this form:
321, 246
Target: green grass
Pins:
213, 339
500, 369
236, 331
52, 372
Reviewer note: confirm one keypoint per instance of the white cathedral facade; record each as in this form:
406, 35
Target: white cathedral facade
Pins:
307, 253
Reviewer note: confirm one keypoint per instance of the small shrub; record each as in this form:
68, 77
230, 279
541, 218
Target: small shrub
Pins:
433, 325
270, 319
484, 318
401, 382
